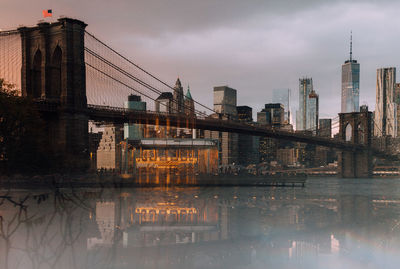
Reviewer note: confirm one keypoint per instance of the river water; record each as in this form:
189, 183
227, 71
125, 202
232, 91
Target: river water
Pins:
330, 223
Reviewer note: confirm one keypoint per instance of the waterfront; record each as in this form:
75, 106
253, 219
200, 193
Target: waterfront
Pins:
331, 223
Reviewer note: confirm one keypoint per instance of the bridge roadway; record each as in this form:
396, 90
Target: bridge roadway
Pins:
117, 115
122, 115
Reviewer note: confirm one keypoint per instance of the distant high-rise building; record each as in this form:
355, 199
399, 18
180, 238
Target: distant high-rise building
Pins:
272, 114
386, 107
307, 115
283, 96
397, 101
164, 102
247, 144
135, 130
225, 100
189, 103
313, 112
245, 113
350, 84
178, 100
225, 106
325, 127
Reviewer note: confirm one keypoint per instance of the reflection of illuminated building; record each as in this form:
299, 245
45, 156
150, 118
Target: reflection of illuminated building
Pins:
165, 213
170, 223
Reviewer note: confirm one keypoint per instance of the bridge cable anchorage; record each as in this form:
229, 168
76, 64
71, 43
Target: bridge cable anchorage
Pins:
143, 70
141, 82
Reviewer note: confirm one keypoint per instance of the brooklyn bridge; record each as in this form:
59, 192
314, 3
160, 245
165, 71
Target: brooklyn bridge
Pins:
73, 78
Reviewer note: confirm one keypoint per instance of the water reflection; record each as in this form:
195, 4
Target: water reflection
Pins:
328, 224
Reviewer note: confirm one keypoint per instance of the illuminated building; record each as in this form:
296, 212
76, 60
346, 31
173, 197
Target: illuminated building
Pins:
167, 147
199, 154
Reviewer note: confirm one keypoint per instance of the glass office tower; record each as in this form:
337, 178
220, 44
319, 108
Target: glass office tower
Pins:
350, 84
305, 88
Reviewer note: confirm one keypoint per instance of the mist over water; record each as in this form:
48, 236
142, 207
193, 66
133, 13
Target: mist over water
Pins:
331, 223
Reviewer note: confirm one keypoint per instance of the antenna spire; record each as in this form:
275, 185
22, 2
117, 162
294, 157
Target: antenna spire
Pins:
351, 46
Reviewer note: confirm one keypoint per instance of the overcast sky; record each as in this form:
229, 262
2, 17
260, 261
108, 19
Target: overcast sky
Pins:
252, 46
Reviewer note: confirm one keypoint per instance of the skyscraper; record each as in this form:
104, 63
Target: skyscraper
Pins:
244, 113
225, 100
307, 115
325, 127
386, 106
350, 83
312, 112
134, 130
178, 105
272, 114
282, 96
248, 152
189, 104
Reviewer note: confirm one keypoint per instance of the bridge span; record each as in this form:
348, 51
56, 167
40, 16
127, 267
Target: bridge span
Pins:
118, 115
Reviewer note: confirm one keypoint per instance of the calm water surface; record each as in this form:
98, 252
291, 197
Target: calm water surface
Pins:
331, 223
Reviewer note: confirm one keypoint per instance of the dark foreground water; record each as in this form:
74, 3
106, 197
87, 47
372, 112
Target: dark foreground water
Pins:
331, 223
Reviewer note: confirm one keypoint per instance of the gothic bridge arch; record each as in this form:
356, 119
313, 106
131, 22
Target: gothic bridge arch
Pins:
356, 127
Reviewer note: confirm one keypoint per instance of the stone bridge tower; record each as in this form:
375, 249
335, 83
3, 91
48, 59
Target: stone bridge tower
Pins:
356, 127
53, 72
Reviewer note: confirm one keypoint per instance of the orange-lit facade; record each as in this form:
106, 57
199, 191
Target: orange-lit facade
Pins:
199, 155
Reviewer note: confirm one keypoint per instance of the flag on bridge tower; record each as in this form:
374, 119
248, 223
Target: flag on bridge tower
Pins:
47, 13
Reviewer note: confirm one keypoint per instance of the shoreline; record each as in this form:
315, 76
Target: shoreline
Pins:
113, 180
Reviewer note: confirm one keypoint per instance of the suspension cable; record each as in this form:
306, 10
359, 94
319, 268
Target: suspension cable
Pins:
141, 82
140, 68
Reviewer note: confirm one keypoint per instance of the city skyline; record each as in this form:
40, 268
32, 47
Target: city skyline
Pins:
274, 54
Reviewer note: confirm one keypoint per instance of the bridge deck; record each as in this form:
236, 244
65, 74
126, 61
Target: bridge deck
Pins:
116, 115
